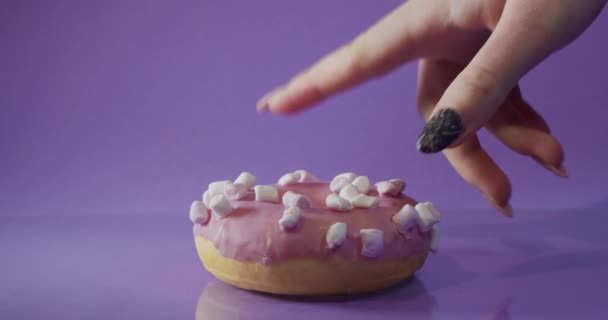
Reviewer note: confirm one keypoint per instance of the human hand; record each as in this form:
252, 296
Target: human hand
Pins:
472, 55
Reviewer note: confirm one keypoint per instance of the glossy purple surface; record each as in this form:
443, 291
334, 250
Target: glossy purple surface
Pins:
543, 265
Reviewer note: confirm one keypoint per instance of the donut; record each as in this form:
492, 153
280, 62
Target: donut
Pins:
302, 236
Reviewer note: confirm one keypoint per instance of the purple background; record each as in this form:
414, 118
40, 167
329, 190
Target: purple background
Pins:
132, 107
127, 109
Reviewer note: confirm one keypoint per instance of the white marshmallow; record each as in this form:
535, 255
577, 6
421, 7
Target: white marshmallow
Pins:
247, 179
372, 242
289, 178
338, 183
406, 217
206, 197
198, 212
336, 235
335, 202
428, 215
349, 192
235, 191
306, 176
434, 245
217, 187
220, 206
350, 176
266, 194
292, 199
365, 201
361, 183
400, 184
390, 188
290, 218
341, 180
386, 188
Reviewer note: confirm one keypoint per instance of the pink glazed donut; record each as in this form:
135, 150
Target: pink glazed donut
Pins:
306, 237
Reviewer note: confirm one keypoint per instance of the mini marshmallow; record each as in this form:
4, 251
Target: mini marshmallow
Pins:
289, 178
386, 188
235, 191
361, 183
292, 199
266, 194
247, 179
400, 184
220, 206
306, 176
350, 176
338, 183
428, 215
390, 188
349, 192
198, 212
217, 187
365, 201
372, 242
335, 202
290, 218
406, 217
336, 235
206, 197
434, 245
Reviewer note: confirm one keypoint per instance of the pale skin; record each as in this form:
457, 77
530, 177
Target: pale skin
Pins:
472, 54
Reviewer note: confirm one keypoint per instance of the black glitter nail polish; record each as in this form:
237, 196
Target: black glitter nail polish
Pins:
440, 131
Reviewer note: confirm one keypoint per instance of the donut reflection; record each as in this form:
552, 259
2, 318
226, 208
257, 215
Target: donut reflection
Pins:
220, 301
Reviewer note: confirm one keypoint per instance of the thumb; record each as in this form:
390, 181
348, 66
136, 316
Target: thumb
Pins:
477, 92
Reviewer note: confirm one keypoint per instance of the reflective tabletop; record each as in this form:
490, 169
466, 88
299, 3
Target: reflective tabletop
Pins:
540, 265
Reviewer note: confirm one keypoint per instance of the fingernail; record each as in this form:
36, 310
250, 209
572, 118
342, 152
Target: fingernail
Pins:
558, 171
262, 104
262, 107
506, 210
561, 171
443, 129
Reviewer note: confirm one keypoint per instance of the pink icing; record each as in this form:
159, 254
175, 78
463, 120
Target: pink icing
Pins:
252, 231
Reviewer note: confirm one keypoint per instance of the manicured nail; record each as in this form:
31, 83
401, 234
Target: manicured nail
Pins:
558, 171
443, 129
262, 104
561, 171
505, 210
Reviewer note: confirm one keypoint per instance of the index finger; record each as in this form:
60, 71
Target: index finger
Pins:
393, 41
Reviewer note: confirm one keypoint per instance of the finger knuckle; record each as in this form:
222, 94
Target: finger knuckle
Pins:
354, 58
479, 81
